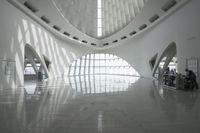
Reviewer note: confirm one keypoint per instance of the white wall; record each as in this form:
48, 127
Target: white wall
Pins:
17, 30
182, 27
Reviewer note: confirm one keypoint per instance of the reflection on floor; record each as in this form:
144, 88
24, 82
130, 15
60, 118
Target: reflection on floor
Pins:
34, 90
56, 107
100, 84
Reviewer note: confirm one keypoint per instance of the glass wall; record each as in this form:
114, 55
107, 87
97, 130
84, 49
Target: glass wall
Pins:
101, 64
29, 70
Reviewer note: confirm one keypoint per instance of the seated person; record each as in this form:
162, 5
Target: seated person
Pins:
191, 78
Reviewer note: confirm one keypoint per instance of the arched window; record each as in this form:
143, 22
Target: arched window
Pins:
101, 64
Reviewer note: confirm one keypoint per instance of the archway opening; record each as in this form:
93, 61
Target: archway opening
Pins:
35, 72
166, 67
34, 68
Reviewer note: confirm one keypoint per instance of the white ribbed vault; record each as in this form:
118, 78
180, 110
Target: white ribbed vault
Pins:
116, 14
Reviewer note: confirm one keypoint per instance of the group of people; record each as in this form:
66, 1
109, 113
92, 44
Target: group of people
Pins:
185, 82
169, 77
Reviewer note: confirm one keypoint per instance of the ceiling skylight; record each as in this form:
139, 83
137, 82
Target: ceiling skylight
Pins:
99, 18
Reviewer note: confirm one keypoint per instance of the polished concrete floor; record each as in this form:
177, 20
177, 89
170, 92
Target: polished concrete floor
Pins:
98, 104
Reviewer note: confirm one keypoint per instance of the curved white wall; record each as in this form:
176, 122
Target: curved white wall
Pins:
182, 27
17, 30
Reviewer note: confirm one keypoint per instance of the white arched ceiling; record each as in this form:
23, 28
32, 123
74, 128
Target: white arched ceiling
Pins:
121, 19
81, 14
116, 14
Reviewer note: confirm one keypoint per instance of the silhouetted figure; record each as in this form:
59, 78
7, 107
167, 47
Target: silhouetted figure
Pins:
179, 81
40, 76
191, 78
172, 77
166, 76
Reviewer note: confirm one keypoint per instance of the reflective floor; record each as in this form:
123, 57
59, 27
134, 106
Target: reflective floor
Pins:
115, 104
